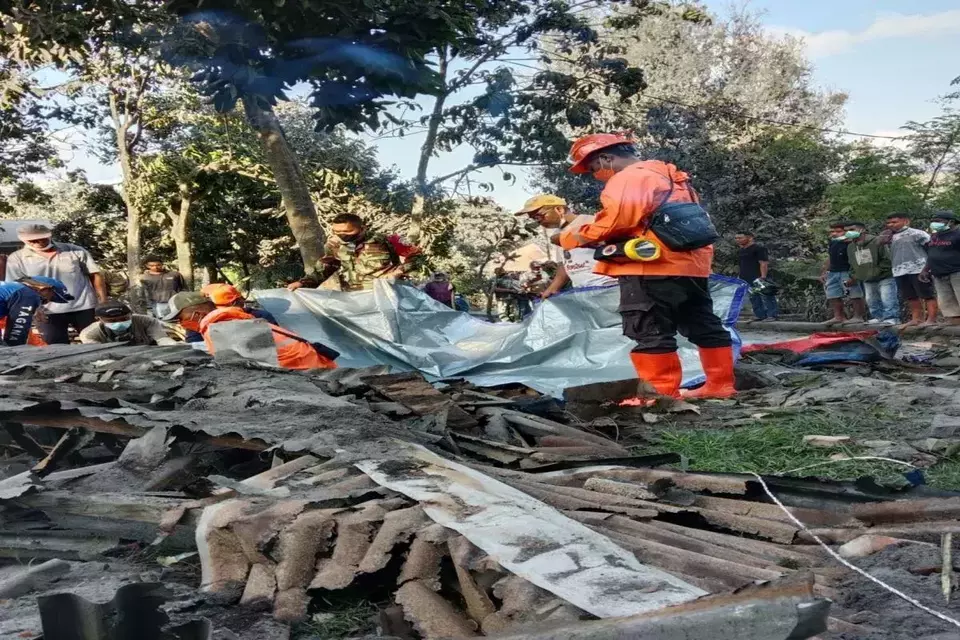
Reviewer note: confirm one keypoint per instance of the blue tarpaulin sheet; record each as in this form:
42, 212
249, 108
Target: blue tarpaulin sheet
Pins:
569, 340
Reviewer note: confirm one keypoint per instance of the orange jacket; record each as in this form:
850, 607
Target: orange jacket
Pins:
629, 199
292, 351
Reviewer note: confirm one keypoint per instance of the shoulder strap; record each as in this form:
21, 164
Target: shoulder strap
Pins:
666, 198
649, 219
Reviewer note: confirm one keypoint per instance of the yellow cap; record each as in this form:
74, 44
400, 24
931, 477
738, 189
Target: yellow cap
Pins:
543, 200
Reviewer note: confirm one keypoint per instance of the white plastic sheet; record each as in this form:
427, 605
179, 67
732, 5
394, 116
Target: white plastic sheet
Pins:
529, 538
569, 340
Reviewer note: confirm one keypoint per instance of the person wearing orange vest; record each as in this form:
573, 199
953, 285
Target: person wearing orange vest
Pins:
227, 295
666, 290
195, 312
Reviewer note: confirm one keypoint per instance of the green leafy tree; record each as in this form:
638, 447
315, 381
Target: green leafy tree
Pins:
25, 148
875, 182
105, 53
354, 56
496, 96
483, 234
734, 108
91, 215
727, 70
936, 144
207, 182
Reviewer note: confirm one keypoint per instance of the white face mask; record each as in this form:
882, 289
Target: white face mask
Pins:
118, 327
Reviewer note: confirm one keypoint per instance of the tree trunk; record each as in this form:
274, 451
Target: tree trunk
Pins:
133, 212
182, 238
428, 148
301, 214
209, 274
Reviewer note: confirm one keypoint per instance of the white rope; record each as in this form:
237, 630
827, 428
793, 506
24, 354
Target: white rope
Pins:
820, 464
836, 556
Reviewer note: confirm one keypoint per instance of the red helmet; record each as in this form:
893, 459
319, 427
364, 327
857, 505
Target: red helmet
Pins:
592, 143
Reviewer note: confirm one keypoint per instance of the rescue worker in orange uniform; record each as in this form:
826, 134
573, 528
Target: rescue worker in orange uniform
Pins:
667, 291
196, 313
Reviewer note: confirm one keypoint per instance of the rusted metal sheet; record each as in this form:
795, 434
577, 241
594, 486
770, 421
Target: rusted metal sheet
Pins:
928, 531
683, 561
430, 614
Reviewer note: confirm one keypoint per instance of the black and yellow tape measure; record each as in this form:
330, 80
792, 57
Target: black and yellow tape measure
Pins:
635, 250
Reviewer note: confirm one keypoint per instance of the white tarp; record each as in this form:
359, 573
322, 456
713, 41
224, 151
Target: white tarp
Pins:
530, 538
569, 340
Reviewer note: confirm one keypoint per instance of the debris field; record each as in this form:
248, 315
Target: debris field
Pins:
157, 492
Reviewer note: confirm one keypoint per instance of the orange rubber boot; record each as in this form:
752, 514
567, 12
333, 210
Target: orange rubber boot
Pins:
661, 371
718, 365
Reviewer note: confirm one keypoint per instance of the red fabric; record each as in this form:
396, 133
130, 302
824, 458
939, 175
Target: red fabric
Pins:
814, 341
401, 247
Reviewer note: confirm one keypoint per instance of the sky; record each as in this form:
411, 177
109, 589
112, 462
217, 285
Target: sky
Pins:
892, 57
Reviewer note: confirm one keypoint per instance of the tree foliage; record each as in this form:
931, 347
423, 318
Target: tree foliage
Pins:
91, 215
874, 182
483, 234
727, 70
720, 106
25, 148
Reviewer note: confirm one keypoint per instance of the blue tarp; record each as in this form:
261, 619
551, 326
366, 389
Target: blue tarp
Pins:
569, 340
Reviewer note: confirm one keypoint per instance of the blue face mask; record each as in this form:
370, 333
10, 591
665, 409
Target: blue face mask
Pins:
852, 235
118, 327
938, 226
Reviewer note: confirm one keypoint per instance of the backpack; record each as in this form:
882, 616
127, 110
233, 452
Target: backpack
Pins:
683, 226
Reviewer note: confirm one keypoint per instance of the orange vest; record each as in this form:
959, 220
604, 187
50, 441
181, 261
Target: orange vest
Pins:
629, 200
292, 351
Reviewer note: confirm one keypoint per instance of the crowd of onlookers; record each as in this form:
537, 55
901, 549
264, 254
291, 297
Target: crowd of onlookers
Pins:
876, 274
54, 291
57, 287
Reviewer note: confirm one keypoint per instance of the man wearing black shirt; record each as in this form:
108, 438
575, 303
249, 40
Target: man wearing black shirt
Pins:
754, 266
836, 272
943, 263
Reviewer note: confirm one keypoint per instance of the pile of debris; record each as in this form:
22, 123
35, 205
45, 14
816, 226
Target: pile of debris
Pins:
460, 512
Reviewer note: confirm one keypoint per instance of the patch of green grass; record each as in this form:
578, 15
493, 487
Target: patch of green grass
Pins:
775, 446
342, 620
945, 475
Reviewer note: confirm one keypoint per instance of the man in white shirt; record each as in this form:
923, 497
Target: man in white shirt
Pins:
70, 264
908, 253
576, 265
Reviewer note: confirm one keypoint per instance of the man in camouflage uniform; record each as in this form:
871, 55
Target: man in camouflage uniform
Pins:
358, 257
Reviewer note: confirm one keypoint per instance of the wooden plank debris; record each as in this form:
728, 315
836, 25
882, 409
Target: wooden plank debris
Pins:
121, 428
412, 391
